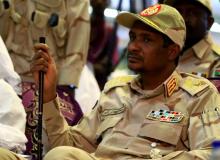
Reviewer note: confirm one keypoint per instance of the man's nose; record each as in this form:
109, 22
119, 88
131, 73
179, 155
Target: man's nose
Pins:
133, 46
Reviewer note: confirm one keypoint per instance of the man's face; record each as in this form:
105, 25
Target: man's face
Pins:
196, 19
145, 49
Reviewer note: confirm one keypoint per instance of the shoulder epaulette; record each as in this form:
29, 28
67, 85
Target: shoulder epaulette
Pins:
194, 84
216, 49
119, 81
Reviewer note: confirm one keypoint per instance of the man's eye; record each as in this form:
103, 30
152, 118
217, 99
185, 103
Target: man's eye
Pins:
146, 39
132, 37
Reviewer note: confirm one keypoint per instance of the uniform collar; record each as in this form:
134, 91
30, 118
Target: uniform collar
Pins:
202, 47
168, 87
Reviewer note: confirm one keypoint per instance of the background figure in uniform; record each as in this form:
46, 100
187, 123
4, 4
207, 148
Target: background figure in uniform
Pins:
200, 54
158, 114
12, 113
103, 54
66, 30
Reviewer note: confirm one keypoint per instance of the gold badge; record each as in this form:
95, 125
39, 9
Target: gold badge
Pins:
151, 10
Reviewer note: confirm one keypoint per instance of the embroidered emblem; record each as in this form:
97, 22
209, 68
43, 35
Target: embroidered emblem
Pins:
165, 116
170, 86
114, 111
151, 10
110, 112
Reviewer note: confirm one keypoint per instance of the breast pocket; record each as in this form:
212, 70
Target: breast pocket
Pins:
162, 131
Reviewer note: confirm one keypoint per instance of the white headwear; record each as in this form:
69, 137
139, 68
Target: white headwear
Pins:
7, 71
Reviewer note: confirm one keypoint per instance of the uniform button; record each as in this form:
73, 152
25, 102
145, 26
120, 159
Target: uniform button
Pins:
153, 145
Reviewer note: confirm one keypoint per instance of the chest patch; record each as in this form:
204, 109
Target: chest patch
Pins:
165, 116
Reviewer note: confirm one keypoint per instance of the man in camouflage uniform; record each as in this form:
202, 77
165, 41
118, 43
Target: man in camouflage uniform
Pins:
200, 53
159, 114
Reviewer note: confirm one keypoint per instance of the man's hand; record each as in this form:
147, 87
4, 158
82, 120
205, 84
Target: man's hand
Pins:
42, 61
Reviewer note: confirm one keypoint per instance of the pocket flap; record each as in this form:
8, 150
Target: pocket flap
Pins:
166, 132
40, 19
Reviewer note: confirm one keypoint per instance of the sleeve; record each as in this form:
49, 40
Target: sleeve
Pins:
203, 129
83, 135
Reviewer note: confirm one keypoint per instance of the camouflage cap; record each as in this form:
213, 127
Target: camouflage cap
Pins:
161, 17
205, 3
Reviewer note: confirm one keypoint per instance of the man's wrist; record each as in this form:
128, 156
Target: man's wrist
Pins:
50, 97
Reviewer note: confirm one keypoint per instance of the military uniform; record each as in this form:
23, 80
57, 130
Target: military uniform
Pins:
65, 24
202, 58
8, 155
179, 119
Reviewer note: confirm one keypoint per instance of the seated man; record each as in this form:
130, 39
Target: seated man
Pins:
158, 114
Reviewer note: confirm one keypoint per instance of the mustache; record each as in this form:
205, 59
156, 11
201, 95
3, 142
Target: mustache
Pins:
134, 55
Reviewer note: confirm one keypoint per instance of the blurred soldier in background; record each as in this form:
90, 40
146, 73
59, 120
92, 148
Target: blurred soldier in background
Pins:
61, 22
200, 54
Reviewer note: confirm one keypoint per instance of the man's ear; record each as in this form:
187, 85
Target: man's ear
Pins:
174, 51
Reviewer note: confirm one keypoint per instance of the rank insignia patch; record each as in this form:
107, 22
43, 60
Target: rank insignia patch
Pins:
165, 116
170, 86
